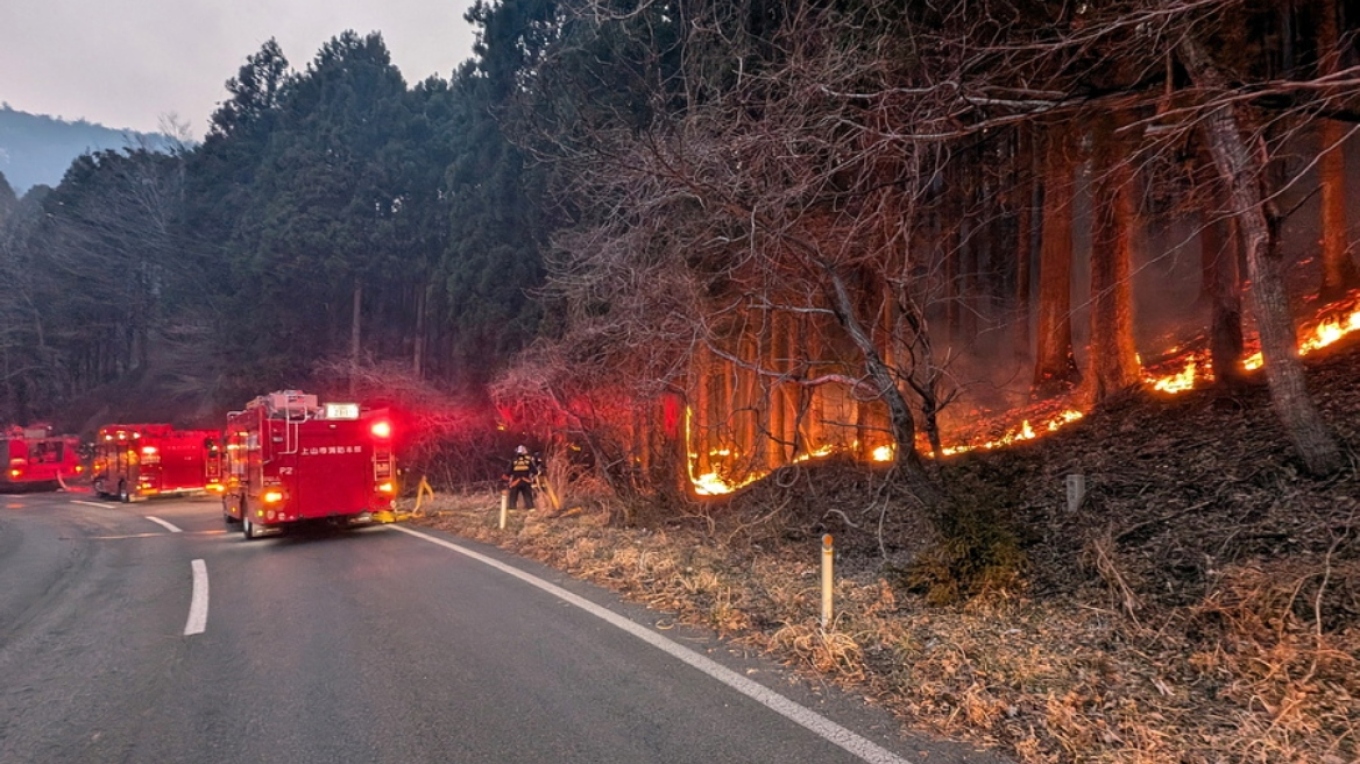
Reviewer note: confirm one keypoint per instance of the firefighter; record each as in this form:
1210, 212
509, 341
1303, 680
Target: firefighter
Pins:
520, 477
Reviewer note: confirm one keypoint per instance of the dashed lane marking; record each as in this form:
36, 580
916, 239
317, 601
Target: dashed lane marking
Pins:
198, 603
168, 526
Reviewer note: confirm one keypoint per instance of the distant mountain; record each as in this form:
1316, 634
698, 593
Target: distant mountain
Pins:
35, 149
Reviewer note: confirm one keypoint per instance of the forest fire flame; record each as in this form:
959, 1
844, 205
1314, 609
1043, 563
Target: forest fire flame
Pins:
709, 483
1020, 433
1332, 324
1329, 331
714, 483
1197, 364
1182, 370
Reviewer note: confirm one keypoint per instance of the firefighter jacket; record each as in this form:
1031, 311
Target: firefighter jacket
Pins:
523, 468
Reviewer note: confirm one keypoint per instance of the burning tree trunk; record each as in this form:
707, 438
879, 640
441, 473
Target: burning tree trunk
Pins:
698, 421
899, 415
1054, 366
777, 392
1114, 361
745, 405
1339, 274
1241, 170
1219, 252
949, 220
1027, 200
966, 254
925, 375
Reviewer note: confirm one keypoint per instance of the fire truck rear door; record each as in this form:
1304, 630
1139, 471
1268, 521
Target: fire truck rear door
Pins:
334, 470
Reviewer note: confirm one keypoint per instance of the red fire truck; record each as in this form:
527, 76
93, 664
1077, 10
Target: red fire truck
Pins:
138, 461
34, 458
290, 459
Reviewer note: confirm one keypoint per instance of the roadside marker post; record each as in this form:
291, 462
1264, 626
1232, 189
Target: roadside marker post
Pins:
828, 578
505, 506
1076, 491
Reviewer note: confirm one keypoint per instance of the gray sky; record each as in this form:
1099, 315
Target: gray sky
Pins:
129, 63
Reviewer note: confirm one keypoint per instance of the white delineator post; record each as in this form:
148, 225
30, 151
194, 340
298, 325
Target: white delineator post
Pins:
505, 506
828, 577
1076, 491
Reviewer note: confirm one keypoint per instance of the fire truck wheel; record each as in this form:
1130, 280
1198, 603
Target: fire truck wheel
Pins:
248, 528
123, 494
226, 513
98, 488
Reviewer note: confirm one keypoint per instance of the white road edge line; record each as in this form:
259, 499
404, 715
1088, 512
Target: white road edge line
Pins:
89, 503
164, 524
198, 604
811, 720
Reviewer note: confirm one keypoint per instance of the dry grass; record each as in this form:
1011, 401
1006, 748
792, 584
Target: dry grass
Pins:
1237, 677
1203, 609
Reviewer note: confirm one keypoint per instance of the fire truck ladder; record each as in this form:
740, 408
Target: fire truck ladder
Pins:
292, 430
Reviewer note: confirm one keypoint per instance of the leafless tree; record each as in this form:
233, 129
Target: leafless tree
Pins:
792, 176
1241, 161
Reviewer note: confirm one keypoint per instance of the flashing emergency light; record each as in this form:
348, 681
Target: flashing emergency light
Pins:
15, 473
385, 487
148, 450
273, 497
382, 429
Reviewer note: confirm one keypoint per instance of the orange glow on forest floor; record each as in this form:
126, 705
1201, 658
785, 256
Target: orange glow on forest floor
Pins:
1329, 326
1019, 433
1181, 370
716, 483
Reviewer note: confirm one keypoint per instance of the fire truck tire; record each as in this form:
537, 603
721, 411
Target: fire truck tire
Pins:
123, 494
248, 528
98, 488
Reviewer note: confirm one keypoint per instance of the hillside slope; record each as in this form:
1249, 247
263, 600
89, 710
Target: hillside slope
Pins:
1201, 606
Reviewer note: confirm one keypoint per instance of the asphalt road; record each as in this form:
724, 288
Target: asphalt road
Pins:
150, 633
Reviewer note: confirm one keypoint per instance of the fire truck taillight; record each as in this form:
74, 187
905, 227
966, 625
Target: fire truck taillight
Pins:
273, 497
148, 450
382, 429
15, 473
386, 487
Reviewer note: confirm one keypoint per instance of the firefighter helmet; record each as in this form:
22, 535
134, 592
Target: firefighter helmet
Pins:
521, 450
